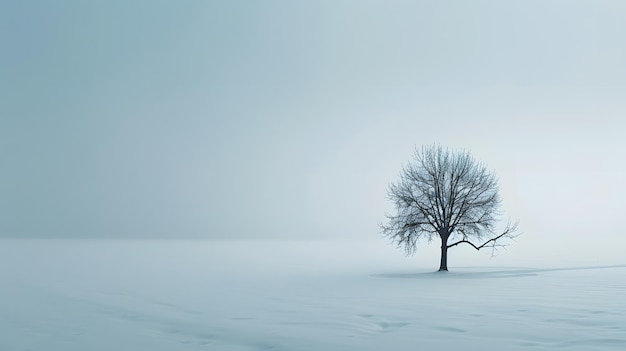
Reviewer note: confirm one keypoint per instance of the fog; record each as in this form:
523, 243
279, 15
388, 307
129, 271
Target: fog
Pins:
275, 119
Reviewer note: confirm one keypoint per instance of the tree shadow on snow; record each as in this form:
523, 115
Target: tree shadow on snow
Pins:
485, 273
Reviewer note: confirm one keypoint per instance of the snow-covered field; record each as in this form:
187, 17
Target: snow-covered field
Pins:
306, 295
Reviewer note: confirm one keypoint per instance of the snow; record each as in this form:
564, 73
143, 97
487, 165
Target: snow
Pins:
306, 295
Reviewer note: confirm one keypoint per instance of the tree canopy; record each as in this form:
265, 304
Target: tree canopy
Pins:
446, 194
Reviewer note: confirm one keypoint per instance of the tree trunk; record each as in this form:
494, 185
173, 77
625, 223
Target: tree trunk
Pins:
443, 265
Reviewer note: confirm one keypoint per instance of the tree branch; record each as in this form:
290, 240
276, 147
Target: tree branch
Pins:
508, 233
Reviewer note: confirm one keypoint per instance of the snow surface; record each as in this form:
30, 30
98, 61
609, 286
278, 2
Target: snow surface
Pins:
304, 295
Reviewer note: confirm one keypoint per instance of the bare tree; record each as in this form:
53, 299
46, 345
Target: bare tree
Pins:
446, 194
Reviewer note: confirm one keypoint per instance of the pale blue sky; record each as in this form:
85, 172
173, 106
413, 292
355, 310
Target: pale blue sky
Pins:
255, 119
